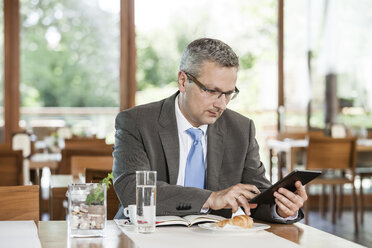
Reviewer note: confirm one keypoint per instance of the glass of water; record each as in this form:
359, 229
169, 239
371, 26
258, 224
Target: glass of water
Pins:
146, 201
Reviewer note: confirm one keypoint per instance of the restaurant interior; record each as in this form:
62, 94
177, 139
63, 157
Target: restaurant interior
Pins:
69, 67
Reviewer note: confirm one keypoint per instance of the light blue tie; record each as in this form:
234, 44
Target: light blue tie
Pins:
195, 171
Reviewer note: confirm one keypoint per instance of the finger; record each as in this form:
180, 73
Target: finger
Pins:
234, 207
251, 188
244, 203
291, 196
248, 194
284, 208
249, 191
285, 201
232, 202
253, 205
301, 190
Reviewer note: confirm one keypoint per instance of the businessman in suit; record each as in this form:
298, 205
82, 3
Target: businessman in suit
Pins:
206, 156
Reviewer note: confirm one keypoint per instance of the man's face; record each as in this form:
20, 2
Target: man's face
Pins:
195, 104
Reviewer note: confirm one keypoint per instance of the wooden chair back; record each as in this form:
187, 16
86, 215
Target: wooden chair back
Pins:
5, 147
113, 203
11, 164
291, 135
57, 196
299, 135
19, 203
65, 164
329, 153
369, 134
79, 163
83, 143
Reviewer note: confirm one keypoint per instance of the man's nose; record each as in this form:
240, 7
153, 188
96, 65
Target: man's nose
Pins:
221, 102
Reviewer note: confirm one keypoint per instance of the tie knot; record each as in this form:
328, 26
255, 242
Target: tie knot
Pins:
195, 133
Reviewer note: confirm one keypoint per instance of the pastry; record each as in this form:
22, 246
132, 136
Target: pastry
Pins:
243, 221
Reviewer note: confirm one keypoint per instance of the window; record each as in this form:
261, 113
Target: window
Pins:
336, 33
2, 72
70, 58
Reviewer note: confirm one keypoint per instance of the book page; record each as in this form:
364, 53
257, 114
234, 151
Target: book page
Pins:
193, 219
170, 220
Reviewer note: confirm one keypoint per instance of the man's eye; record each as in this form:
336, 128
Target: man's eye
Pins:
212, 91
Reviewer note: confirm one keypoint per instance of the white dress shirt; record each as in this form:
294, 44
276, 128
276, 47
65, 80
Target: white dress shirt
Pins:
186, 141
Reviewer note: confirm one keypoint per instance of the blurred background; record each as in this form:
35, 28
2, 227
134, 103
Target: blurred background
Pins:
69, 59
69, 67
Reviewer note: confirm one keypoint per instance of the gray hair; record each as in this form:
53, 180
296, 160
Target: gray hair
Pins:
207, 49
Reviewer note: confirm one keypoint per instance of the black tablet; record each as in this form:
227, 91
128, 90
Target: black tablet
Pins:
288, 182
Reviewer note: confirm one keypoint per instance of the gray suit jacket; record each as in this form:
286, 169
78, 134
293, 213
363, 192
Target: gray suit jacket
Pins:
147, 139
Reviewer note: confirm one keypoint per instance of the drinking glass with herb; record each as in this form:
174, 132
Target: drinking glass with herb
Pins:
88, 208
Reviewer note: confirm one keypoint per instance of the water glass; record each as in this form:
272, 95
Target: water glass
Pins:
146, 201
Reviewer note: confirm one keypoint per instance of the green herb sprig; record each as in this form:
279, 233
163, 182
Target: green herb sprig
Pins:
97, 195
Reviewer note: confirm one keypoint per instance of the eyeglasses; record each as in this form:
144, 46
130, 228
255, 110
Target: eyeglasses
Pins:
215, 94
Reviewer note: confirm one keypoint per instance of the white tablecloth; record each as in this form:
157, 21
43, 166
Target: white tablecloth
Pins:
19, 234
183, 237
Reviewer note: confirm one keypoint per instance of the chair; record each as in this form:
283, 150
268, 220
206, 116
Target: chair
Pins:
79, 163
95, 176
11, 164
80, 143
43, 131
57, 196
19, 203
333, 155
297, 154
22, 141
5, 147
364, 171
99, 150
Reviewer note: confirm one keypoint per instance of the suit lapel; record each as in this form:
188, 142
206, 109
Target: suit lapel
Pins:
169, 137
215, 150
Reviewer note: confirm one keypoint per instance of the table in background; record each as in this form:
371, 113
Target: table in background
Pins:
54, 234
291, 147
40, 160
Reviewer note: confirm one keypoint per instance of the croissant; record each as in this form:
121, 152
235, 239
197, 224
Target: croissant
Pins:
243, 221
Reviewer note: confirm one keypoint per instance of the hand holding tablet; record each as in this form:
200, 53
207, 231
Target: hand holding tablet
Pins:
288, 182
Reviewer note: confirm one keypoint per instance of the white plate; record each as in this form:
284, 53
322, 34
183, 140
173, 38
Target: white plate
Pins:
229, 228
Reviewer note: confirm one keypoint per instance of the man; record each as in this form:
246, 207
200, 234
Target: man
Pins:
206, 156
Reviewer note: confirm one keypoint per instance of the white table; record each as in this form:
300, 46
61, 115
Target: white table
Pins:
19, 234
54, 234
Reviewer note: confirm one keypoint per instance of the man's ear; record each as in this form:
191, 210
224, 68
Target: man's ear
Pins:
182, 80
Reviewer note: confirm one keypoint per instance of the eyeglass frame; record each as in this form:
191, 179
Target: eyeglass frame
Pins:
234, 92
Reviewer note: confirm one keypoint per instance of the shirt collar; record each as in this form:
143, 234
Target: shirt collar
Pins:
182, 123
